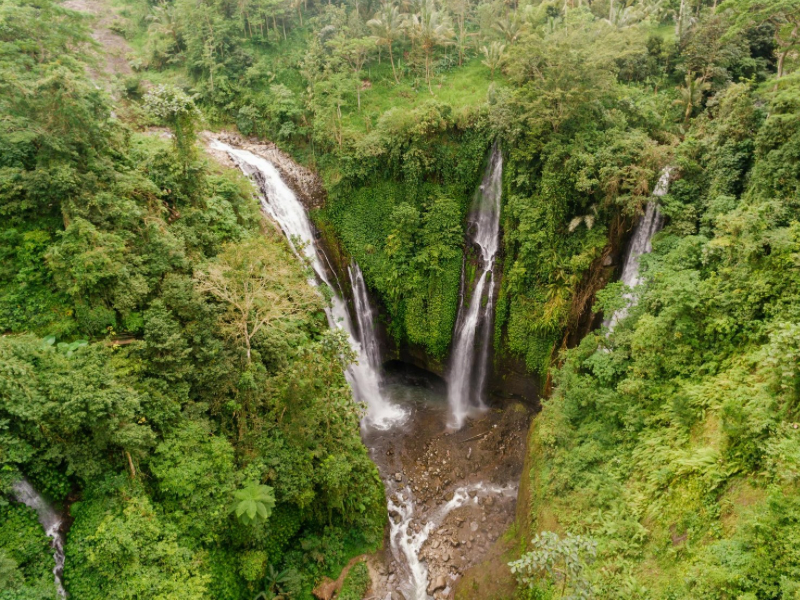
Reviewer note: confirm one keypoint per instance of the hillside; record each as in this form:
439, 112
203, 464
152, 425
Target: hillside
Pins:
178, 369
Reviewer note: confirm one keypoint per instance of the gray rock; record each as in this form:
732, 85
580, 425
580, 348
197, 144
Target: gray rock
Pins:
437, 584
473, 527
398, 477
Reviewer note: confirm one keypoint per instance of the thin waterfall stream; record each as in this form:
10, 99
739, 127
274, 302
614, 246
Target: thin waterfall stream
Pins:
469, 363
641, 243
281, 203
51, 522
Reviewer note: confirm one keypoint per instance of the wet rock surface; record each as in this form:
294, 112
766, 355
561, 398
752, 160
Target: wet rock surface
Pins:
454, 497
305, 183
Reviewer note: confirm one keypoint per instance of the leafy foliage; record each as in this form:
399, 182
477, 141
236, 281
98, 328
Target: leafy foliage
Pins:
254, 503
128, 390
559, 563
356, 583
672, 440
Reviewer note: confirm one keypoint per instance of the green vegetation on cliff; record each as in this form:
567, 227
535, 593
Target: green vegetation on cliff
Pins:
199, 448
672, 441
204, 450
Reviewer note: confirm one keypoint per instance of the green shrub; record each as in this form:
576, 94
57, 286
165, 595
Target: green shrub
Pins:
356, 583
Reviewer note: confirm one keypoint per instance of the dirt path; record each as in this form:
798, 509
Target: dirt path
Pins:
113, 61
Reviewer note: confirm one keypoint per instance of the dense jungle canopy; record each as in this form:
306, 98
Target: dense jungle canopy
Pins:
203, 450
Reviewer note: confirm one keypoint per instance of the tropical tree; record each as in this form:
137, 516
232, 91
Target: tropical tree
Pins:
461, 9
258, 290
783, 15
387, 26
493, 56
691, 95
163, 34
177, 110
622, 16
559, 563
508, 27
353, 52
254, 503
280, 585
431, 27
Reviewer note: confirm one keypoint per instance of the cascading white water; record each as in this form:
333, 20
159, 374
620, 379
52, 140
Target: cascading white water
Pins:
50, 521
280, 202
641, 243
382, 413
469, 362
406, 542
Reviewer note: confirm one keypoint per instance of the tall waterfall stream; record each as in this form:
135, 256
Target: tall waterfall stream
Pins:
449, 493
473, 337
641, 243
51, 522
281, 203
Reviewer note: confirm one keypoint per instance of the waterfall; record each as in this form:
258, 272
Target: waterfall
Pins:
50, 521
469, 363
641, 243
280, 202
382, 414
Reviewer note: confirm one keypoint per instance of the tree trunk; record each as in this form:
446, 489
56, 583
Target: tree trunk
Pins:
789, 45
391, 60
428, 71
130, 464
679, 24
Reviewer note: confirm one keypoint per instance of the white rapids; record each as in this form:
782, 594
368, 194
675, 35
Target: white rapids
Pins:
641, 243
50, 521
281, 203
469, 362
406, 543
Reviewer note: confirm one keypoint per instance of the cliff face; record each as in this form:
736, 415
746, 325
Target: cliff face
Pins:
508, 380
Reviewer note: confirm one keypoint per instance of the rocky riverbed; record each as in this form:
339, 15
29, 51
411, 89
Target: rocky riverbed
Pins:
451, 494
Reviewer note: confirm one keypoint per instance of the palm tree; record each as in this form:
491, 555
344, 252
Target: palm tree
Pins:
387, 26
621, 16
493, 54
508, 27
691, 95
254, 503
587, 219
431, 28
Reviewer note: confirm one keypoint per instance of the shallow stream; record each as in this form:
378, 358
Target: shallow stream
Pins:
451, 494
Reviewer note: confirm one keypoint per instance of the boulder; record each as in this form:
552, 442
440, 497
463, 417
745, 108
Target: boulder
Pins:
437, 584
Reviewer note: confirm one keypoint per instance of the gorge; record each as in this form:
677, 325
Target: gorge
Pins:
280, 202
397, 300
398, 413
